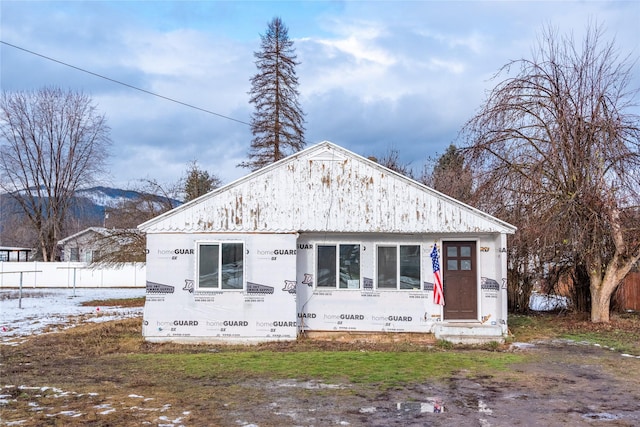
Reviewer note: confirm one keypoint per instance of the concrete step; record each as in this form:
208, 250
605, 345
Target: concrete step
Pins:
468, 333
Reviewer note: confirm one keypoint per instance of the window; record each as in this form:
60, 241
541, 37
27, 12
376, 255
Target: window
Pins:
387, 267
459, 258
74, 255
338, 266
220, 266
90, 256
399, 267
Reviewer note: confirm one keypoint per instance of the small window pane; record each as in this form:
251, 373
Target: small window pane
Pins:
326, 270
452, 264
409, 267
208, 266
350, 266
232, 259
465, 264
387, 267
465, 251
452, 251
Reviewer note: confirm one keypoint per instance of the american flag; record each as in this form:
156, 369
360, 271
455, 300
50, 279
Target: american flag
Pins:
438, 295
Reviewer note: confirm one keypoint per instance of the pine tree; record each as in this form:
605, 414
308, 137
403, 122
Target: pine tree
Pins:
277, 123
451, 176
198, 182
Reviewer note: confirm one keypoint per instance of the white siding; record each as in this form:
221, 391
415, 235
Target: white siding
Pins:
326, 188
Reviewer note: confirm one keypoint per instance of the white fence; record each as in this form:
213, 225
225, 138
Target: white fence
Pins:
70, 274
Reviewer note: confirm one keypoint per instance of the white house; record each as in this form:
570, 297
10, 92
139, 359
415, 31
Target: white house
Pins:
82, 246
323, 241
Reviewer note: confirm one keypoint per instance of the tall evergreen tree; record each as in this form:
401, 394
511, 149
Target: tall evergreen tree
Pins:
277, 123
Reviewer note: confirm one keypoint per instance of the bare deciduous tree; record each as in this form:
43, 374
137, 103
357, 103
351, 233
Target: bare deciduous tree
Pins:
559, 142
14, 231
121, 241
52, 143
391, 160
119, 246
277, 123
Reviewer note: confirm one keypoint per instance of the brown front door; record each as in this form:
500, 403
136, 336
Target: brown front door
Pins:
460, 281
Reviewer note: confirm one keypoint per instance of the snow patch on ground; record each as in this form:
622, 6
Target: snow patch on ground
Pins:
44, 310
8, 391
541, 302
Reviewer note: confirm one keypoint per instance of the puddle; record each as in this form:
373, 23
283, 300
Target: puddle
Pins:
433, 405
483, 408
600, 416
309, 385
522, 346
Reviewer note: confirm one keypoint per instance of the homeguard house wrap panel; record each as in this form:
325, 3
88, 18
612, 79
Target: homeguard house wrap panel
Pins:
385, 282
203, 287
326, 238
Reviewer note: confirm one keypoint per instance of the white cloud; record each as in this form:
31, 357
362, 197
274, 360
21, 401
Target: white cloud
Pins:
474, 42
358, 40
452, 66
372, 73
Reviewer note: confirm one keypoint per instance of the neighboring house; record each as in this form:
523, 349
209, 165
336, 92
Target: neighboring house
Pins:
323, 241
94, 244
8, 253
83, 246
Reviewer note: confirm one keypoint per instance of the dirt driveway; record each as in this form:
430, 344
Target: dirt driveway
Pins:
567, 384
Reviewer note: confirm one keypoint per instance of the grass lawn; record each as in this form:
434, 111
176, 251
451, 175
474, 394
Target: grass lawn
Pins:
106, 365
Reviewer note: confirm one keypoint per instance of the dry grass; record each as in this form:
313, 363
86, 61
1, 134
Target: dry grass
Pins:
105, 374
95, 369
622, 333
120, 302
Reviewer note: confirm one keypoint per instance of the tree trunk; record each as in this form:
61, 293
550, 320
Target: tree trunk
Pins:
600, 304
581, 289
602, 288
519, 291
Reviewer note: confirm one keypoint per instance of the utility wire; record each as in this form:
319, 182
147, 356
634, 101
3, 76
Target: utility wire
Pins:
124, 84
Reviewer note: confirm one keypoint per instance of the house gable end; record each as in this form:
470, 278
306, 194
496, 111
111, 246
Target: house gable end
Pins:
326, 188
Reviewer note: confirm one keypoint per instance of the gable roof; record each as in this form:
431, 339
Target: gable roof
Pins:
325, 188
91, 230
100, 232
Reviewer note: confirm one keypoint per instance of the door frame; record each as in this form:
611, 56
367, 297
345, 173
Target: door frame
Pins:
477, 275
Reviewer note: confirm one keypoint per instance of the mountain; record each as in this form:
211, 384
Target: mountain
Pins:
96, 202
108, 197
91, 207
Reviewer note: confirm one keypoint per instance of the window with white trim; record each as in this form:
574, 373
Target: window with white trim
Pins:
398, 267
338, 266
91, 255
220, 266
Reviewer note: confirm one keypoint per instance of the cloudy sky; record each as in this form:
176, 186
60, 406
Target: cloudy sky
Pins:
374, 76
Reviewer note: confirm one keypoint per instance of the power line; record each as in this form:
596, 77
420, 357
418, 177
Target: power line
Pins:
124, 84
